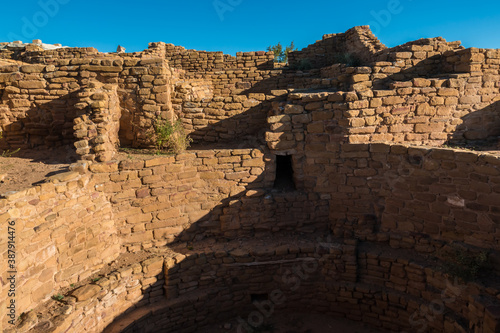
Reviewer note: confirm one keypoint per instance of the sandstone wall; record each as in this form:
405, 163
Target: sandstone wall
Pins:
210, 88
415, 198
202, 61
94, 306
424, 58
364, 179
358, 42
203, 193
137, 204
40, 102
421, 111
428, 112
439, 194
64, 232
221, 98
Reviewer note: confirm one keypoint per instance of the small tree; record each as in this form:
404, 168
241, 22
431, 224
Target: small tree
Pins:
277, 50
280, 54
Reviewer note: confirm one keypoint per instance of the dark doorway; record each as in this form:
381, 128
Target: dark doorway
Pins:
284, 173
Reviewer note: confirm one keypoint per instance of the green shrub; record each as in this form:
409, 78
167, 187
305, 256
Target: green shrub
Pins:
170, 136
58, 297
8, 153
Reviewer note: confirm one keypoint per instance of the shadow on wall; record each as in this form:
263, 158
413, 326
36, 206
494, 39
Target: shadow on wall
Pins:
222, 123
153, 294
129, 108
229, 274
241, 130
479, 129
427, 68
332, 49
72, 120
260, 212
49, 124
257, 203
236, 286
251, 210
238, 121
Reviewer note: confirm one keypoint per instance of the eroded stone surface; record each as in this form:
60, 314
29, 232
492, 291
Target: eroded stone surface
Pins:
86, 292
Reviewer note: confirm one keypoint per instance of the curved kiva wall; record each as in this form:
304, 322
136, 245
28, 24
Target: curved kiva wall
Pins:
246, 283
361, 282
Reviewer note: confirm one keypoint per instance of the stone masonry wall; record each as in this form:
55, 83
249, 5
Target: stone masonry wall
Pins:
40, 102
64, 232
375, 188
423, 194
202, 61
220, 98
98, 129
364, 180
226, 85
421, 111
358, 42
150, 203
91, 307
203, 193
427, 112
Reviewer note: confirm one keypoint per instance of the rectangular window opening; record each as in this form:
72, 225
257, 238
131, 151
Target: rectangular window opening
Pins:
284, 173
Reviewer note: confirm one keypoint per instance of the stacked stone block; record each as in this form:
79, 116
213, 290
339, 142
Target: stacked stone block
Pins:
98, 127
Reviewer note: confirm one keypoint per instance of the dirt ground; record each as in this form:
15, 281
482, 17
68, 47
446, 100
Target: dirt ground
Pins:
30, 167
298, 323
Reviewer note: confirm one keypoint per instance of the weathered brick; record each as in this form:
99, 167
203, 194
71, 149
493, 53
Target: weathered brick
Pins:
316, 127
391, 100
211, 175
293, 109
32, 84
104, 167
447, 92
428, 128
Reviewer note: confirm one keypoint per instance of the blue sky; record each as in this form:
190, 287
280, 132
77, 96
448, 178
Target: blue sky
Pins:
244, 25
